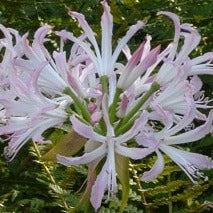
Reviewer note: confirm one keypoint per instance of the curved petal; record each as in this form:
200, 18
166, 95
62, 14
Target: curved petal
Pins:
192, 135
99, 188
34, 78
88, 31
133, 153
200, 59
155, 170
82, 44
84, 159
187, 118
198, 160
121, 44
176, 22
187, 161
85, 130
41, 33
191, 41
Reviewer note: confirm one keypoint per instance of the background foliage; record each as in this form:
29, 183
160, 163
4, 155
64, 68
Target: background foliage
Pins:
25, 185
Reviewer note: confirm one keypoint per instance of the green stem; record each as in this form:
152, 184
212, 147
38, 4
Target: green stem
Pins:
155, 86
113, 107
78, 104
125, 127
104, 81
51, 178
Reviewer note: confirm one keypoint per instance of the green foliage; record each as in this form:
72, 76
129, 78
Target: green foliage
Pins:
170, 188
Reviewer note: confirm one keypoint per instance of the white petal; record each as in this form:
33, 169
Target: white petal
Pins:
188, 162
83, 45
198, 160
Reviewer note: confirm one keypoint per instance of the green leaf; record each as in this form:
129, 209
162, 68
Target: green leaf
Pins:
71, 143
122, 169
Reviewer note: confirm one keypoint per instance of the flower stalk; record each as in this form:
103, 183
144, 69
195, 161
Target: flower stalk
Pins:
78, 104
128, 118
112, 109
105, 83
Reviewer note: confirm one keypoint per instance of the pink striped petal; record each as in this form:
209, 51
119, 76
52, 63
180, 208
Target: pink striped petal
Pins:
84, 159
133, 153
121, 44
155, 170
190, 163
192, 135
191, 41
41, 33
129, 78
133, 61
99, 188
85, 130
88, 31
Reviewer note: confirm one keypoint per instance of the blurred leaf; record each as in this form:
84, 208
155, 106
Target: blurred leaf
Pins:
71, 143
122, 169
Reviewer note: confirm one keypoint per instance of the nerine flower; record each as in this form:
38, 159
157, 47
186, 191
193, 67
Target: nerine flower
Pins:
109, 145
111, 103
30, 113
164, 141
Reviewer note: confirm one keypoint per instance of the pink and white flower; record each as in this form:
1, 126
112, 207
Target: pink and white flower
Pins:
164, 141
30, 113
109, 145
108, 102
